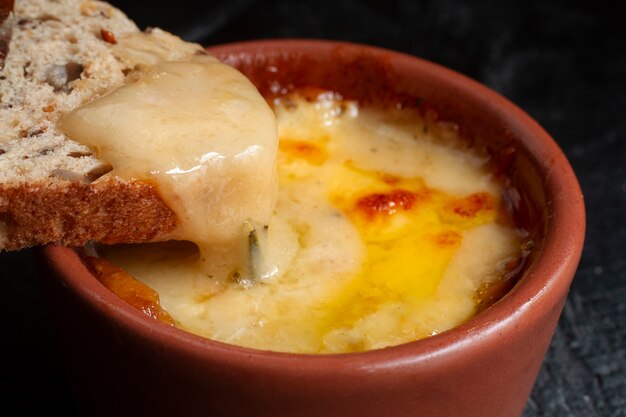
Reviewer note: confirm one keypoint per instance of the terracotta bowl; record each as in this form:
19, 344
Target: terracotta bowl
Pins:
123, 363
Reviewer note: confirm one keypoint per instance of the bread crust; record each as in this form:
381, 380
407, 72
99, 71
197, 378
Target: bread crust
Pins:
71, 213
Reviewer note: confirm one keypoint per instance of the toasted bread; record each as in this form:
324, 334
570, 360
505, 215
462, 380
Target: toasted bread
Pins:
53, 189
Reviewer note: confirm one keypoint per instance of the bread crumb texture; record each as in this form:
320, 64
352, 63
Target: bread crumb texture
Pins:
57, 61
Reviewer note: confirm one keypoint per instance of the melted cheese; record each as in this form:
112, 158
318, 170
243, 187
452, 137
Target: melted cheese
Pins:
200, 132
384, 228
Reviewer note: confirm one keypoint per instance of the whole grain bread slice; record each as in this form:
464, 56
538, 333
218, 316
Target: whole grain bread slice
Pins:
52, 189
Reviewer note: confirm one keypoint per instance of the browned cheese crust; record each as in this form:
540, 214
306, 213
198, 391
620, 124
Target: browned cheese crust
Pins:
71, 213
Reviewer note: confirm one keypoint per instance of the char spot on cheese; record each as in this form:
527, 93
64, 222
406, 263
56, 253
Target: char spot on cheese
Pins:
312, 153
129, 289
381, 204
471, 205
389, 179
448, 238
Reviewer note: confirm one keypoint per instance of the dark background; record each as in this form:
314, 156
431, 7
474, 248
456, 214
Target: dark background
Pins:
563, 62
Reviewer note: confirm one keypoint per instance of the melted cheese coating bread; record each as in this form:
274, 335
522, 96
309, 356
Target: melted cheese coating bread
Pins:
200, 132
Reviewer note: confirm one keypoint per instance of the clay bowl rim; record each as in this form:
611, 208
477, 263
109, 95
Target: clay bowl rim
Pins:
534, 297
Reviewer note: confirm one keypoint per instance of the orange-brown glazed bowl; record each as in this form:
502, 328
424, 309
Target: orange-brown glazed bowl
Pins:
123, 363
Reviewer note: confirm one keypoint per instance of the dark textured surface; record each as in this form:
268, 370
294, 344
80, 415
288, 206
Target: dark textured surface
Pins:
563, 62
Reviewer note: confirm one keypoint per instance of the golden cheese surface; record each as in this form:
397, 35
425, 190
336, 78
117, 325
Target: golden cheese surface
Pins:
384, 228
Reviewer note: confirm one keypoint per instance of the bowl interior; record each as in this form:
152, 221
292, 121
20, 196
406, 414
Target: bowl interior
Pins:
547, 199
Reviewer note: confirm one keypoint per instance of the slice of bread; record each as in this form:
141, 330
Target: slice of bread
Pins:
62, 54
